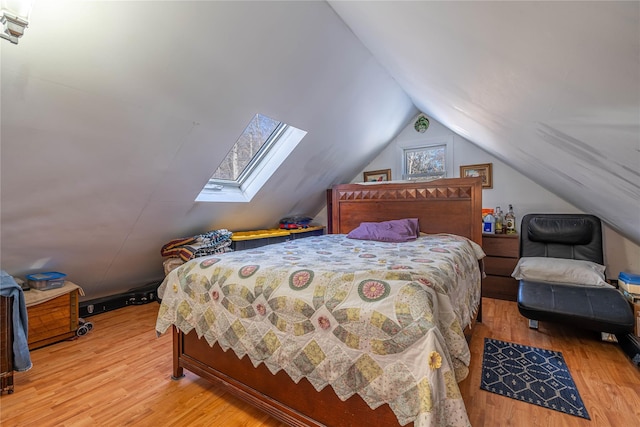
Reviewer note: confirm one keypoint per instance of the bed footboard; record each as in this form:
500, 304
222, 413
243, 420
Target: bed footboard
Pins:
298, 405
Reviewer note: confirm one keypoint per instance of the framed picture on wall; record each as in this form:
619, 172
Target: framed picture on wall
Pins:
483, 170
377, 176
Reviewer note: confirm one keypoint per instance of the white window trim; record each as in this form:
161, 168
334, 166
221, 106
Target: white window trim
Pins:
244, 193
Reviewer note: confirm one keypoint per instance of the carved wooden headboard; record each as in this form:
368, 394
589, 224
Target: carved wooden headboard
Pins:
452, 205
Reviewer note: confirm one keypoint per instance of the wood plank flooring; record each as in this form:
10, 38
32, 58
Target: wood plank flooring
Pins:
607, 381
119, 375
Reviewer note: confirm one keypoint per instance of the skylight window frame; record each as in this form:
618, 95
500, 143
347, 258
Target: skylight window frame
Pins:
281, 142
215, 183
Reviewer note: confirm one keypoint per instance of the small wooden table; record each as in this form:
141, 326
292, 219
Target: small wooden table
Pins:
53, 314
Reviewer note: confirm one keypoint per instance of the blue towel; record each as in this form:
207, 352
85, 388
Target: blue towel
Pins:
9, 288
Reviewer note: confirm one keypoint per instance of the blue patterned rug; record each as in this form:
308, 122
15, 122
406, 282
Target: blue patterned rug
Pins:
531, 375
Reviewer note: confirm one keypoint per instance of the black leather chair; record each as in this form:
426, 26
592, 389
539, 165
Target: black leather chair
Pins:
569, 236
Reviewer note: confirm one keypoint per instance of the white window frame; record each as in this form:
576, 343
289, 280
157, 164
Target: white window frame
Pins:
249, 183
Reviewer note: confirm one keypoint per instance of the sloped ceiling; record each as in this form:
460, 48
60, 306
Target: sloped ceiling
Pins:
115, 115
550, 88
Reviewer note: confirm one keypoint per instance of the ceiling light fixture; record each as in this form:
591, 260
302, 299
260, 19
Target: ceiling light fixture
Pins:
14, 17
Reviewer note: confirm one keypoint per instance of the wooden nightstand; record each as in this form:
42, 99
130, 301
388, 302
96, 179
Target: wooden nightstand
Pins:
502, 256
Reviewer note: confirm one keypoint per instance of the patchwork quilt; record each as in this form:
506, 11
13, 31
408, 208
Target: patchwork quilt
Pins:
381, 320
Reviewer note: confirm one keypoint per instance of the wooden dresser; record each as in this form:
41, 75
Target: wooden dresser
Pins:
53, 320
502, 256
6, 345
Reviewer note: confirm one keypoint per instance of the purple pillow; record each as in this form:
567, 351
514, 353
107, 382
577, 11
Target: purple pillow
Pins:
397, 230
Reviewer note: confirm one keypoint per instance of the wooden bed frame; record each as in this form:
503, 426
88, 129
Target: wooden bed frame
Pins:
442, 206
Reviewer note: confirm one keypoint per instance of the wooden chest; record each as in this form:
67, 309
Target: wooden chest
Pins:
502, 256
54, 320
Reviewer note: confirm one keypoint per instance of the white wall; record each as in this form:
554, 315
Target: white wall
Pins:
509, 187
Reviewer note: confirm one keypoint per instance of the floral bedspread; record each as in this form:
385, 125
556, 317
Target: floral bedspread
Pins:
381, 320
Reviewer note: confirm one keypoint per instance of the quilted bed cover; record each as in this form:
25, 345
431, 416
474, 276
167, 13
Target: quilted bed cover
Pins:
381, 320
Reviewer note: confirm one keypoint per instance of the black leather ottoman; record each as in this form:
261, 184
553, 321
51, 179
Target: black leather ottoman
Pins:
595, 308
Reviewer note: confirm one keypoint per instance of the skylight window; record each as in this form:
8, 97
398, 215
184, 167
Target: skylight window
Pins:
254, 142
259, 151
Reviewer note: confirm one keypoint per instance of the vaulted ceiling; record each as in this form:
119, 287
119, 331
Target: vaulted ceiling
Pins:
550, 88
115, 114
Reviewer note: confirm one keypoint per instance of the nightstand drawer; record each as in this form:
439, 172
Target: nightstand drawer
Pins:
500, 287
499, 266
501, 245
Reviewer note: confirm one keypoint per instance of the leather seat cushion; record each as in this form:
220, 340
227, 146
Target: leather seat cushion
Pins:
600, 309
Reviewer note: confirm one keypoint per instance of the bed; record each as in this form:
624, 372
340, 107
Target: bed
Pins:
332, 331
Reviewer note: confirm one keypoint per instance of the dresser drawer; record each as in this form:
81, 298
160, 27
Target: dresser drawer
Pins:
499, 266
501, 245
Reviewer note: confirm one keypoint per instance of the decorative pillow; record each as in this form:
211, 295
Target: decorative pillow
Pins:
397, 230
560, 270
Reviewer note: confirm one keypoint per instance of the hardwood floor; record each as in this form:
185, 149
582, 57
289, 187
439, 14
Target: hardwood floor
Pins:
607, 381
119, 375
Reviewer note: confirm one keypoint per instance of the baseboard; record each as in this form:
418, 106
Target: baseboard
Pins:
137, 296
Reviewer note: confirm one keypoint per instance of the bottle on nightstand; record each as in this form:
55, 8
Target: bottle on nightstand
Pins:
510, 221
489, 224
499, 221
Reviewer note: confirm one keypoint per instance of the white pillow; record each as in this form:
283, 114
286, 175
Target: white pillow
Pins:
560, 270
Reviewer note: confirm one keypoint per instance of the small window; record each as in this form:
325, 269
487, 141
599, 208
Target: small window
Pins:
263, 145
425, 162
